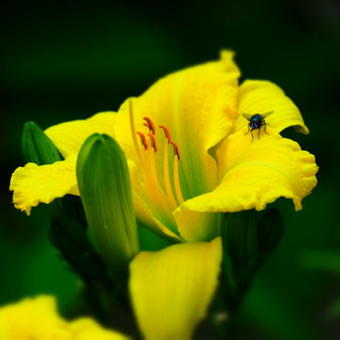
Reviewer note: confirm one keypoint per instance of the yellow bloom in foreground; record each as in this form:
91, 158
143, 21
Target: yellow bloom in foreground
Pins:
38, 319
190, 159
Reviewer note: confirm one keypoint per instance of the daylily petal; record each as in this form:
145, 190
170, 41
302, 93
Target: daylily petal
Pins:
171, 289
199, 101
196, 226
260, 96
257, 173
33, 184
69, 137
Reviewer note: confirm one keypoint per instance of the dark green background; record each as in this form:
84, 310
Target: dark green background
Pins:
65, 60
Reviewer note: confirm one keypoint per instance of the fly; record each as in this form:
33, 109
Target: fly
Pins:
256, 121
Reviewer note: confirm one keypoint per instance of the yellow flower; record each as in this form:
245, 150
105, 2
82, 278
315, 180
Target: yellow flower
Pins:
37, 318
190, 159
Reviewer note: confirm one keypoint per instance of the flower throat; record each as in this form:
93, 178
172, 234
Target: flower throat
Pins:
159, 170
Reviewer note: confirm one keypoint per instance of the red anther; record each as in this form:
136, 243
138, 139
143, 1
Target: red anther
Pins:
150, 125
142, 139
153, 142
166, 133
176, 150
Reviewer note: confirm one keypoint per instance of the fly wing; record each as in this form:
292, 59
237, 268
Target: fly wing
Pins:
266, 114
247, 115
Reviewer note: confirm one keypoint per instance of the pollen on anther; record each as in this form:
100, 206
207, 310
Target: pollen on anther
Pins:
142, 139
153, 141
150, 125
176, 150
166, 133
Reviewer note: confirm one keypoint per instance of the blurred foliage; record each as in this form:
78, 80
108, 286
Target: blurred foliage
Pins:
324, 261
64, 60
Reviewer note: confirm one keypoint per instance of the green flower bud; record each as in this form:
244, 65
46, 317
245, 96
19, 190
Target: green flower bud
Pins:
105, 191
270, 230
37, 147
241, 236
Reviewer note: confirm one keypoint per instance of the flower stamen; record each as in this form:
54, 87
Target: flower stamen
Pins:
153, 141
166, 133
166, 176
161, 180
177, 184
150, 125
176, 150
155, 189
143, 139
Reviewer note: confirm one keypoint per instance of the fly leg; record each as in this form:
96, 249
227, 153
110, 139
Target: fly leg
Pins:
265, 130
251, 132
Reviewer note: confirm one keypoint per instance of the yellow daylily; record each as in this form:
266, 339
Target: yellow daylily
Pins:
37, 318
190, 160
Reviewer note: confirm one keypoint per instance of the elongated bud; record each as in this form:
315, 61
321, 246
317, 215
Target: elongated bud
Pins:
105, 191
242, 236
37, 147
270, 230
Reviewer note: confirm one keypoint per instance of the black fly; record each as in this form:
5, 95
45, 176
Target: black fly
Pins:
256, 121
